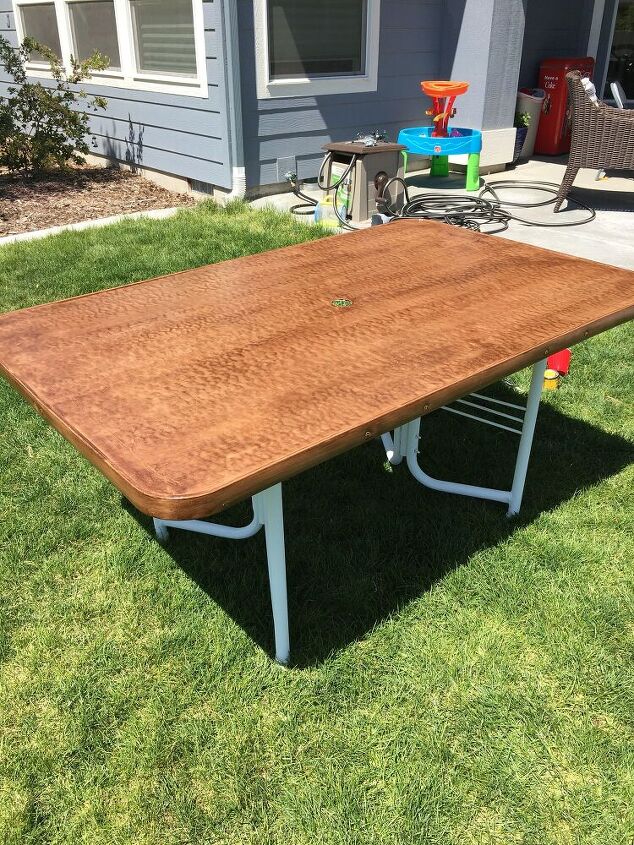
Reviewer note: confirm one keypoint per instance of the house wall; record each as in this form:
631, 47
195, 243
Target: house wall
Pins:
476, 40
287, 133
181, 135
508, 27
482, 43
479, 40
554, 28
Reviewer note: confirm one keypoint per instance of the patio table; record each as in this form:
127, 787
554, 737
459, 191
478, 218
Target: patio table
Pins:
196, 390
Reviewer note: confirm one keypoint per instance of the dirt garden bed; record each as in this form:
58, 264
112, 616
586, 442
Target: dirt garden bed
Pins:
81, 193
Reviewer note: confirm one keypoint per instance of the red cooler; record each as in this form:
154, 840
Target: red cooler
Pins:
553, 134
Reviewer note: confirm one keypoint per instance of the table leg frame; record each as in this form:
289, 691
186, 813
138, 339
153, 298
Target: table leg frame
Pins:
400, 445
403, 444
395, 445
267, 514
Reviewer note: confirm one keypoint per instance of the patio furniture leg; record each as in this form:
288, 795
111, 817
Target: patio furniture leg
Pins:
473, 172
526, 440
420, 475
270, 505
395, 444
267, 513
439, 166
512, 497
569, 177
405, 154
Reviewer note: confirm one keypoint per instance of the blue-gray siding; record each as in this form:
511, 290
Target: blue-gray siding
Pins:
503, 68
297, 127
482, 43
182, 135
554, 28
419, 39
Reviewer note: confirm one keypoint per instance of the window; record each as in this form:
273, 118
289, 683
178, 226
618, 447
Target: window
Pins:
39, 22
305, 47
94, 27
153, 45
164, 36
316, 39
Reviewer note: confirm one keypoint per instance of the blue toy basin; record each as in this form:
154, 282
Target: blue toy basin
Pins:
418, 140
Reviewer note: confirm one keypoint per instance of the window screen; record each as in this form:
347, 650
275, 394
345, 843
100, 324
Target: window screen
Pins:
164, 36
39, 22
308, 38
94, 27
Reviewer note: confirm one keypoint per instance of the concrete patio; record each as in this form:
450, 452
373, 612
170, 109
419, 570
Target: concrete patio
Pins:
609, 238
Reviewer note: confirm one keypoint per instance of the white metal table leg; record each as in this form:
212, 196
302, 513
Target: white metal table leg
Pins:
400, 444
526, 440
445, 486
269, 505
201, 526
267, 512
162, 534
395, 445
512, 497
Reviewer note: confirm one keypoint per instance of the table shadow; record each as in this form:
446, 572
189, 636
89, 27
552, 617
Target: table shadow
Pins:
362, 542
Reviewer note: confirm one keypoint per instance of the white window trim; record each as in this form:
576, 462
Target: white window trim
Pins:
312, 86
128, 77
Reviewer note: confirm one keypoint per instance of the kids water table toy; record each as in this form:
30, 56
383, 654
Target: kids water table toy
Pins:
439, 141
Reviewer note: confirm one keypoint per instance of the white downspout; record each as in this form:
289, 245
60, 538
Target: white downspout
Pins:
234, 99
238, 183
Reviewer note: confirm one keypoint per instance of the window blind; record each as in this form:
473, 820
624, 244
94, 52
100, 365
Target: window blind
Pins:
164, 36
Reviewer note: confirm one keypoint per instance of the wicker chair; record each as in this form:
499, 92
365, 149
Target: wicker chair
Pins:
602, 136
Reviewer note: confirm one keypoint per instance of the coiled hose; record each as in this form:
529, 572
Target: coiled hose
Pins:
487, 212
477, 213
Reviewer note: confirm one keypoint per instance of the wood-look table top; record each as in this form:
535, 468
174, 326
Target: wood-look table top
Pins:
195, 390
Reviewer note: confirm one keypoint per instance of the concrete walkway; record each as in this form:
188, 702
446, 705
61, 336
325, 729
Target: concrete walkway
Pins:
609, 238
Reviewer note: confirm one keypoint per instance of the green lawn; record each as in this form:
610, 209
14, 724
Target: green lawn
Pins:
457, 678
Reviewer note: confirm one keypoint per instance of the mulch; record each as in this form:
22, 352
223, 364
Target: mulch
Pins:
77, 194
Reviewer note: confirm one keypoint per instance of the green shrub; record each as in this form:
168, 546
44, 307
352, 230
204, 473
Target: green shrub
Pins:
39, 128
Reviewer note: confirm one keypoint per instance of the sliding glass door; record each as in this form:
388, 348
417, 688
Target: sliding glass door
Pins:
621, 62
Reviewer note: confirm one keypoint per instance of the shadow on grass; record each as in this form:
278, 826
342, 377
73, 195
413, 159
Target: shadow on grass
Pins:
361, 542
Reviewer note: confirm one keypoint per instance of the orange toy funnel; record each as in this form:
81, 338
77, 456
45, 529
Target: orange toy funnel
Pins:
444, 89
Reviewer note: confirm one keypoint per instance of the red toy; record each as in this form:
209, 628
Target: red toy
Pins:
560, 361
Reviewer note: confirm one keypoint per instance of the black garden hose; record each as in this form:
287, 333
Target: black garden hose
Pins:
477, 213
486, 212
